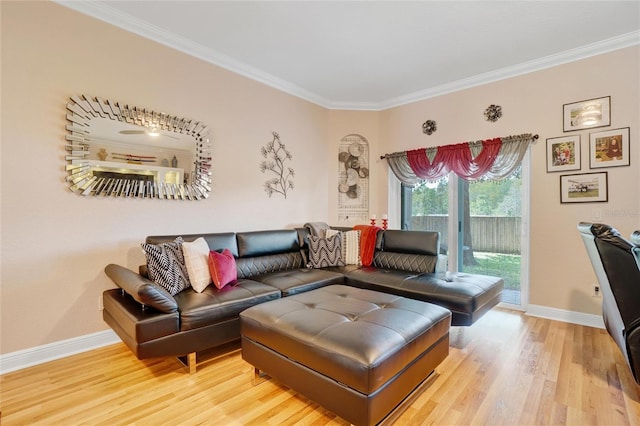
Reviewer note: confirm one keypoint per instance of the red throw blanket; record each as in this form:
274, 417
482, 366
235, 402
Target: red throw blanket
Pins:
368, 236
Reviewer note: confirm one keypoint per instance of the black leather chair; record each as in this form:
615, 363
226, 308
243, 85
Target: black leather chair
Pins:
616, 262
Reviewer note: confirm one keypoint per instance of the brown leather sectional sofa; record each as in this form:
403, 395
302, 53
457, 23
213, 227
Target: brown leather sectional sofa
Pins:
272, 265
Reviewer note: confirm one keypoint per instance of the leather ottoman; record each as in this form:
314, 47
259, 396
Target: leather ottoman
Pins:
357, 352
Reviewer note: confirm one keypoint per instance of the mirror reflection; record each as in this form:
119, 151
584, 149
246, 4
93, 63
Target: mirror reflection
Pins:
117, 150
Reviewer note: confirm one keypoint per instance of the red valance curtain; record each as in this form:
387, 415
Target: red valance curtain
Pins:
494, 158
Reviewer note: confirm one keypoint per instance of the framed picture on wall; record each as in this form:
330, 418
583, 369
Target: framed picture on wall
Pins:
584, 188
609, 148
563, 153
587, 114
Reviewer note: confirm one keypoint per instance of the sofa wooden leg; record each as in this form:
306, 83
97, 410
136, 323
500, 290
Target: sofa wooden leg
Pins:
189, 361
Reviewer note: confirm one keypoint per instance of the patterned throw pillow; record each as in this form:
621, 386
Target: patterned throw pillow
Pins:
196, 258
350, 246
325, 252
166, 266
222, 267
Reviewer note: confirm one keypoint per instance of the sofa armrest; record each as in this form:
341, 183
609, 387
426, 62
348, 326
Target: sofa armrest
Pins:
144, 291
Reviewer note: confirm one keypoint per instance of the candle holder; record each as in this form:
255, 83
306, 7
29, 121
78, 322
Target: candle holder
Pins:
385, 223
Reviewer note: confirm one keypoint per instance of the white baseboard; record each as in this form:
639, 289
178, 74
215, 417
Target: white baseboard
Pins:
28, 357
579, 318
40, 354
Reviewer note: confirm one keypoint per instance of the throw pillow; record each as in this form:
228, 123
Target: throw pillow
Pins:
196, 258
325, 252
165, 263
350, 246
352, 250
222, 267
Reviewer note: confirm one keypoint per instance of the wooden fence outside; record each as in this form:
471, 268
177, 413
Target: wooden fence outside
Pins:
488, 233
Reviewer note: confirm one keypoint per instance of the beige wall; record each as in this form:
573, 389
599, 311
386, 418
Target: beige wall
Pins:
561, 276
55, 244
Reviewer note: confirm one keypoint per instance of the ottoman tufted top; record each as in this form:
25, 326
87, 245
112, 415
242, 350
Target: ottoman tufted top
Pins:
358, 337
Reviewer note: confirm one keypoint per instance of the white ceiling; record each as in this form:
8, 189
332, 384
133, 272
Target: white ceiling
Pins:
378, 54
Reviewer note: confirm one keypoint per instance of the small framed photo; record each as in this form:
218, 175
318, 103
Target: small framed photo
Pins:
563, 153
584, 188
609, 148
587, 114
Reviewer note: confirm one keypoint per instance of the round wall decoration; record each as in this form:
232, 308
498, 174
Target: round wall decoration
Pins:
429, 127
493, 113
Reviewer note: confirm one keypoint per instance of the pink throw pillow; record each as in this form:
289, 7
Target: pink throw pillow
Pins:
222, 267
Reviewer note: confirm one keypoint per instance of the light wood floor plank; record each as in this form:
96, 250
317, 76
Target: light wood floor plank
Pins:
507, 369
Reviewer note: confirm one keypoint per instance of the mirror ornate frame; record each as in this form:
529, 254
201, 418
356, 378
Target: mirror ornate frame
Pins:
131, 176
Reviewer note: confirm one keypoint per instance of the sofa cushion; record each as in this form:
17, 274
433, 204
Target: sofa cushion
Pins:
165, 263
213, 305
261, 243
417, 263
300, 280
222, 267
468, 296
325, 252
251, 266
350, 245
414, 242
215, 241
196, 258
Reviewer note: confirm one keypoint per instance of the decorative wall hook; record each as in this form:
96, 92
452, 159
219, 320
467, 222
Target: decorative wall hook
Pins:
493, 113
429, 127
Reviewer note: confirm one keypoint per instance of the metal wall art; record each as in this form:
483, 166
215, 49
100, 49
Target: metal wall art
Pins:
353, 179
276, 154
429, 127
493, 113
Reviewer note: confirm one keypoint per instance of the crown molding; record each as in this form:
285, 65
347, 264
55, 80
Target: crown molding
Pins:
112, 16
128, 23
594, 49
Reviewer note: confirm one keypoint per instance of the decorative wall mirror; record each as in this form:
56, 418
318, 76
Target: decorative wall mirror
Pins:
122, 151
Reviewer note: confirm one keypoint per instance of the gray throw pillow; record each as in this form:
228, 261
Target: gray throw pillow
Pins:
325, 252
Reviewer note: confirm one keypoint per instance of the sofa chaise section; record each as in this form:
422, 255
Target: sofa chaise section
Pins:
408, 264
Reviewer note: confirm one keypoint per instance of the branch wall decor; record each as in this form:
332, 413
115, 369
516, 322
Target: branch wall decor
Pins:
276, 154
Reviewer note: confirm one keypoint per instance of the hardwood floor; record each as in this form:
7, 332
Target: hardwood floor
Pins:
507, 369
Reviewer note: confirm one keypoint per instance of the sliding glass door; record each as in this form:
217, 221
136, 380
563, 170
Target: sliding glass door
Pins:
491, 230
491, 236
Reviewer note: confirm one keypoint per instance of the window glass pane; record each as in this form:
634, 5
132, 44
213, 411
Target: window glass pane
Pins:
490, 231
426, 208
490, 217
